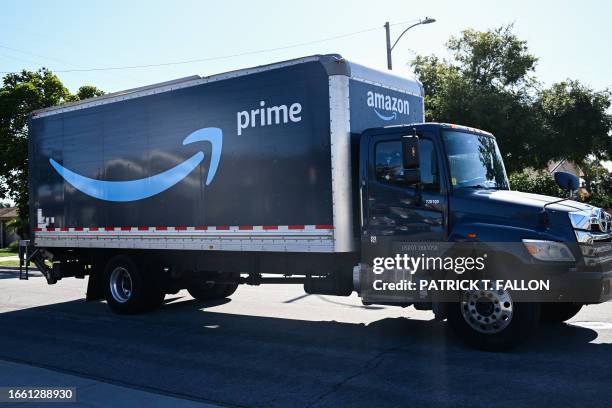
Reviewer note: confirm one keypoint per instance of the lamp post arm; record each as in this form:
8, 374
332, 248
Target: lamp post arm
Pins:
404, 32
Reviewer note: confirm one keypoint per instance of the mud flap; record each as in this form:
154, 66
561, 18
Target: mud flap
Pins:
95, 283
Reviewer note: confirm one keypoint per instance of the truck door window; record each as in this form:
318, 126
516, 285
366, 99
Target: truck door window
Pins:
389, 163
428, 165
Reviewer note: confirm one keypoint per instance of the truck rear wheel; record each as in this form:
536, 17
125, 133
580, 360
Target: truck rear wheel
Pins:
559, 312
491, 321
211, 291
127, 289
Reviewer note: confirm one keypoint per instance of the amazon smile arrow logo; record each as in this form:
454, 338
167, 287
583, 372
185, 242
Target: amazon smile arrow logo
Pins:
132, 190
385, 117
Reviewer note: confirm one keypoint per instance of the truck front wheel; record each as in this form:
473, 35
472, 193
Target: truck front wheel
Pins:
559, 312
491, 321
127, 290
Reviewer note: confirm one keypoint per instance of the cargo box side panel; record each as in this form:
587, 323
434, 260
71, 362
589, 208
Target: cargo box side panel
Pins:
378, 99
238, 164
376, 105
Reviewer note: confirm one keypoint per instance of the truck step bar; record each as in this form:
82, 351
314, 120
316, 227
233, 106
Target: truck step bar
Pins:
28, 253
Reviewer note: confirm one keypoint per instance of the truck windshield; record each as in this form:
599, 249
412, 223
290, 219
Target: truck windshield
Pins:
474, 161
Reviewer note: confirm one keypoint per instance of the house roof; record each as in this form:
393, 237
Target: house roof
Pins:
8, 213
564, 165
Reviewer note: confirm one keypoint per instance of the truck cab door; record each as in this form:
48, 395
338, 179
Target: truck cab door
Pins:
399, 217
394, 210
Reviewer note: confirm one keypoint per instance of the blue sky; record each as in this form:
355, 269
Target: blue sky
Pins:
572, 39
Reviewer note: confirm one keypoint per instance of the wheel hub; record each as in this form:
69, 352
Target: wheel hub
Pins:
484, 306
121, 284
487, 311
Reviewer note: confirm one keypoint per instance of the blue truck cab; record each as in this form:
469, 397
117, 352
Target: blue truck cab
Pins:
441, 189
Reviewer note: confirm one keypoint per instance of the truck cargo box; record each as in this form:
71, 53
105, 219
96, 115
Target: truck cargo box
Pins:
252, 160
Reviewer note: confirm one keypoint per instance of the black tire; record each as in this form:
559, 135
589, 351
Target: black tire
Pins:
127, 290
206, 291
559, 312
523, 321
230, 289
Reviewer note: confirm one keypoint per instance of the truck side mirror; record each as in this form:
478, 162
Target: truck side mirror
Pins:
410, 152
567, 181
410, 159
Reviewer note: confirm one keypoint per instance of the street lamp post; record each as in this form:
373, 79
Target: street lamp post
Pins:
390, 47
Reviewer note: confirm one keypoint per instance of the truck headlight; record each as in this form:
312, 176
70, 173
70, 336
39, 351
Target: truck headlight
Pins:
548, 250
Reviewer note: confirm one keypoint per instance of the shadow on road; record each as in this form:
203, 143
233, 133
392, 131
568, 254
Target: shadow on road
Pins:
9, 274
13, 272
185, 349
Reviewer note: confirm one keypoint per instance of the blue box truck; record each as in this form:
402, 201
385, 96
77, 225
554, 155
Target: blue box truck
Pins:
294, 172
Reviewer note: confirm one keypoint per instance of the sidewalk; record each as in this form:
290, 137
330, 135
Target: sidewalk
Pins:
89, 393
9, 258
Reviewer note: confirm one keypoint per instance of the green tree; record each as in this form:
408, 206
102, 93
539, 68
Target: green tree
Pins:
577, 124
88, 91
18, 226
598, 184
538, 183
494, 58
20, 94
488, 83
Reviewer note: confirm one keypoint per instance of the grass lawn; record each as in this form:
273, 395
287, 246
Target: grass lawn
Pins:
6, 252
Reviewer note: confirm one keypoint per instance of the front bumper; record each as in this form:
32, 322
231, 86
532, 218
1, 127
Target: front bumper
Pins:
593, 275
588, 287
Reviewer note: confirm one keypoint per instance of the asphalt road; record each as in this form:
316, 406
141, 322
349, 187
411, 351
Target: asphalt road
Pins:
275, 346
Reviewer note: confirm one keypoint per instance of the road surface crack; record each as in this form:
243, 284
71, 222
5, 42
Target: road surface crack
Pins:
369, 365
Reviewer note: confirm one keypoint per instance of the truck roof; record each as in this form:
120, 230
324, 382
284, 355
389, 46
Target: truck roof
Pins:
444, 125
335, 64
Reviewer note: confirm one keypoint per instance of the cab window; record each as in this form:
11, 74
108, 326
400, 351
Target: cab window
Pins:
389, 168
